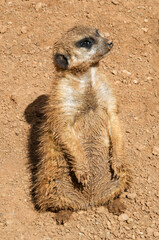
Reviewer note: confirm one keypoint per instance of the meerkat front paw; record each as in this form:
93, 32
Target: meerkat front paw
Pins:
82, 175
118, 168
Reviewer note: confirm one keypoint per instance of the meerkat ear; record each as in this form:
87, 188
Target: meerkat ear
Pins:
61, 61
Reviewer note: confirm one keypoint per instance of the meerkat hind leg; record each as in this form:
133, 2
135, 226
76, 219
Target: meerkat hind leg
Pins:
54, 187
108, 195
116, 206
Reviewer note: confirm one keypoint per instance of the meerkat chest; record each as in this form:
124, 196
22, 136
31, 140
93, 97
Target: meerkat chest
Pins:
78, 99
84, 97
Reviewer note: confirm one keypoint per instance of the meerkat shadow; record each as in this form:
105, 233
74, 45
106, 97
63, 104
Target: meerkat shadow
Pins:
34, 115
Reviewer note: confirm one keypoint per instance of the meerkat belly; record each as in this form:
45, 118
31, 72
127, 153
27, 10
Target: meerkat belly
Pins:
92, 130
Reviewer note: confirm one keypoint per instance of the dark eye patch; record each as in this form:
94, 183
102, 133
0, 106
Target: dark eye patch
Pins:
85, 43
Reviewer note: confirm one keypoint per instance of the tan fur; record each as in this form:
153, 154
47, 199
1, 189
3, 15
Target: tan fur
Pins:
81, 146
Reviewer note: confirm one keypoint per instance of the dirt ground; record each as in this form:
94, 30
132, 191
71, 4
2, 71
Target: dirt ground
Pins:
28, 30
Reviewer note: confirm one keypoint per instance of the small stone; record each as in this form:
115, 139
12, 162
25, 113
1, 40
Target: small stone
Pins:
8, 222
155, 150
96, 237
145, 54
115, 2
127, 228
80, 212
135, 81
24, 29
108, 225
130, 220
105, 34
131, 195
139, 147
156, 234
149, 231
145, 29
107, 235
38, 6
149, 79
145, 20
13, 97
101, 3
3, 29
126, 72
123, 217
117, 82
34, 75
149, 180
114, 72
101, 210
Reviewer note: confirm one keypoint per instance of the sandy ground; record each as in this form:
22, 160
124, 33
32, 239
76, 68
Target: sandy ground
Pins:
28, 30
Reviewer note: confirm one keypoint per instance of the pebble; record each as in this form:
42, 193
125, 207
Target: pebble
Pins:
135, 81
149, 231
108, 225
130, 220
101, 210
38, 6
34, 75
105, 34
115, 2
13, 97
114, 72
145, 20
96, 237
126, 72
24, 29
145, 29
131, 195
81, 212
149, 79
123, 217
156, 234
155, 150
108, 235
101, 3
8, 222
3, 29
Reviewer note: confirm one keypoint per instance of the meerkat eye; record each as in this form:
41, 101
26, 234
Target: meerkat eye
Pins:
85, 43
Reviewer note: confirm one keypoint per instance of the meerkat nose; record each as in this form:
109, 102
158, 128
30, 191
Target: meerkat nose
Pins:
110, 44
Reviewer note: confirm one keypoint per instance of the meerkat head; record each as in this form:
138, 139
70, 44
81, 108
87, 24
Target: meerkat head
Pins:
80, 48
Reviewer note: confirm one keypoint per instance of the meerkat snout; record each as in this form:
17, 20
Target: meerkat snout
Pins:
80, 48
110, 44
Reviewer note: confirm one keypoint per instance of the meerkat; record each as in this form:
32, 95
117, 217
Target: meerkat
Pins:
82, 162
